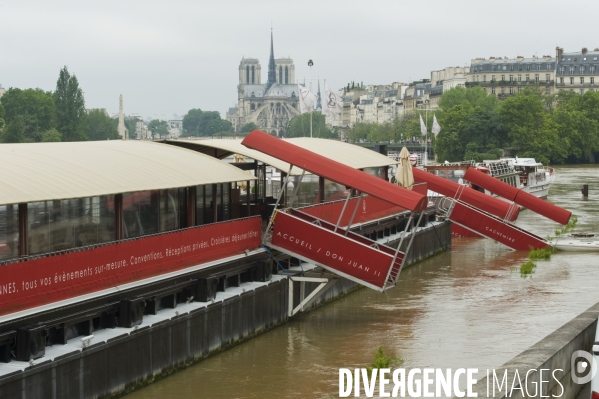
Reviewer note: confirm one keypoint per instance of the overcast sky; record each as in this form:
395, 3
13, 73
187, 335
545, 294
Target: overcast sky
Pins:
169, 57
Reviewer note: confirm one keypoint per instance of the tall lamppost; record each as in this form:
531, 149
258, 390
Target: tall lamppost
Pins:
426, 102
310, 63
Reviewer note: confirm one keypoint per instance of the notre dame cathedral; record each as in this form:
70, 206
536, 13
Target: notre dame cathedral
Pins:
270, 106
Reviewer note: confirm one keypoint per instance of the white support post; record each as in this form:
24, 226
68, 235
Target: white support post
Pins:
290, 304
296, 189
342, 211
325, 283
274, 212
353, 214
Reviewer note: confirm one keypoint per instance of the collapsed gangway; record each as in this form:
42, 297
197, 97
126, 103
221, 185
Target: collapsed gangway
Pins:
489, 216
334, 246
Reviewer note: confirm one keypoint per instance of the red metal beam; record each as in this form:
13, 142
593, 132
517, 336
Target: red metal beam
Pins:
450, 189
518, 195
335, 171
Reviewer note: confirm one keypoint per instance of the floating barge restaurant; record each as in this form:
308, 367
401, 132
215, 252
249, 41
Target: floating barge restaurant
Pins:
122, 261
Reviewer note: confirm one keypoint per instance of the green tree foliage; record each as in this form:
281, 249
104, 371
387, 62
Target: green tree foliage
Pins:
206, 123
476, 97
360, 132
215, 127
14, 132
158, 128
34, 106
248, 127
2, 113
485, 128
51, 135
450, 143
100, 126
191, 120
531, 129
553, 129
131, 126
299, 126
70, 107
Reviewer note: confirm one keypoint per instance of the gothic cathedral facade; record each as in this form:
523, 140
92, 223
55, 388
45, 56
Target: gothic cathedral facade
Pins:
271, 105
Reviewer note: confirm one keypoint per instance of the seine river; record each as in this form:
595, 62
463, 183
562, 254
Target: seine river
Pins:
467, 308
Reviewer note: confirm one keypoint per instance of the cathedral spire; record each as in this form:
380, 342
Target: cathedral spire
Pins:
272, 73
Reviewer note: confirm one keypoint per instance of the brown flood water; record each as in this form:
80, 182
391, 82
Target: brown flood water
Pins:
463, 308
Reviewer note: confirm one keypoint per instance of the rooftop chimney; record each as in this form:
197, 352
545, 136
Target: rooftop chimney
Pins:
558, 53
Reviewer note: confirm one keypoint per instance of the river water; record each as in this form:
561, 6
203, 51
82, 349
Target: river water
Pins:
466, 308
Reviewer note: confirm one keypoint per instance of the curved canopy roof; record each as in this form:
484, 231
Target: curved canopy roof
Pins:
222, 148
348, 154
51, 171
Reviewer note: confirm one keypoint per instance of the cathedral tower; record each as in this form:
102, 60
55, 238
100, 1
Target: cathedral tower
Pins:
249, 72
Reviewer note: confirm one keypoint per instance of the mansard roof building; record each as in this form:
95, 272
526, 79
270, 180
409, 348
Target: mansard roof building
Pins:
269, 105
506, 76
577, 71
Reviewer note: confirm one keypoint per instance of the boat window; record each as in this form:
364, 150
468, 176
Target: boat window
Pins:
219, 202
9, 232
169, 209
65, 224
208, 202
141, 213
226, 201
199, 205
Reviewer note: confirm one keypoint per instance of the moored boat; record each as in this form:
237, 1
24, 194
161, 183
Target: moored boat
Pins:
525, 173
574, 245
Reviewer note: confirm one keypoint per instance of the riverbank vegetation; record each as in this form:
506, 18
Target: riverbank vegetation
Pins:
35, 115
557, 128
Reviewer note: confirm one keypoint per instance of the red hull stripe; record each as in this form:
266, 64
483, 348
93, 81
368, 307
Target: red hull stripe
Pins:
494, 228
487, 203
335, 171
519, 196
49, 279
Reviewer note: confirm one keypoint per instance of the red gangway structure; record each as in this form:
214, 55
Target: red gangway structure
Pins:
333, 246
518, 196
489, 216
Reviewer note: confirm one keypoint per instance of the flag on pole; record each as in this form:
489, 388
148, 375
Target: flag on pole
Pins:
422, 126
436, 127
331, 105
306, 99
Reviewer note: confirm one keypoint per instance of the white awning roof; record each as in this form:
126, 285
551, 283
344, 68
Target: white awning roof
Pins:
222, 148
51, 171
348, 154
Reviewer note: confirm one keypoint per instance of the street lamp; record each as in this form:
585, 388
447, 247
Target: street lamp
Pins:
310, 63
426, 102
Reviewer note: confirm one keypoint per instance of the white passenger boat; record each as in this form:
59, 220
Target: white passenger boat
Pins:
576, 245
524, 173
